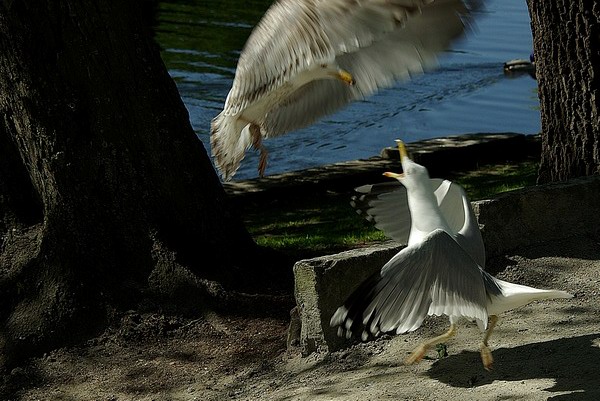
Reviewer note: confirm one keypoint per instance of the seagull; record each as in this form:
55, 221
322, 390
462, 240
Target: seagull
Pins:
308, 58
439, 272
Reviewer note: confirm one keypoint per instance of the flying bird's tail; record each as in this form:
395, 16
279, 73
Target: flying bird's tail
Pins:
229, 140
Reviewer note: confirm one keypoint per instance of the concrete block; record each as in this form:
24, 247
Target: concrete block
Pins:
323, 284
537, 214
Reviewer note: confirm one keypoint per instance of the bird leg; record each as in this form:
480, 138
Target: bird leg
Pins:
486, 354
257, 144
420, 351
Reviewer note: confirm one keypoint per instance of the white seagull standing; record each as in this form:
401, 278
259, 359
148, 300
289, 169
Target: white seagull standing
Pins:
308, 58
440, 272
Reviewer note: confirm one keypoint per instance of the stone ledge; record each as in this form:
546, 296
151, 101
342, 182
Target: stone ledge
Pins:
439, 155
513, 220
468, 151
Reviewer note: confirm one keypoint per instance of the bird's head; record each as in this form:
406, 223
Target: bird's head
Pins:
413, 174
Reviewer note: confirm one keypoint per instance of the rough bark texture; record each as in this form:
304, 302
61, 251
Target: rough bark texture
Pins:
106, 194
566, 37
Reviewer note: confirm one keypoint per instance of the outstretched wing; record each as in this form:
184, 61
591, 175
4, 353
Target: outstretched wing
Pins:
296, 35
378, 42
386, 204
435, 277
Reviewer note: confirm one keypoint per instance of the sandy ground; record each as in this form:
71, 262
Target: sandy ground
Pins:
546, 350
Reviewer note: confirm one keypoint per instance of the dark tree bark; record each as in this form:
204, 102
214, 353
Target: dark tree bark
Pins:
566, 37
106, 194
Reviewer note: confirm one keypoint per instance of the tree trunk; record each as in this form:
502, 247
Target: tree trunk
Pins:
105, 191
566, 35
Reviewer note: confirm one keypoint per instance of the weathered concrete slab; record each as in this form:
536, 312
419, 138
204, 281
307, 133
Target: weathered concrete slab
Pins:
322, 284
537, 214
512, 220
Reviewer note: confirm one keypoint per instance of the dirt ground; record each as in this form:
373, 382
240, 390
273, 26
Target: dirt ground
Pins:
546, 350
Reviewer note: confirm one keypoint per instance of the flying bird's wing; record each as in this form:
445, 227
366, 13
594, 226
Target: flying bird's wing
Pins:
307, 105
295, 35
435, 277
378, 42
410, 49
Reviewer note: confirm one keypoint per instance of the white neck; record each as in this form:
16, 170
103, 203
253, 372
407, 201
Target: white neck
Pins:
423, 203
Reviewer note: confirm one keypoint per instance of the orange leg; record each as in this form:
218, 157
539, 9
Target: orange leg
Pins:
486, 354
422, 349
257, 144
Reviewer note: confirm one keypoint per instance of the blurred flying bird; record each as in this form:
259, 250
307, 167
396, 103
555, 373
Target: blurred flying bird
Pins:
308, 58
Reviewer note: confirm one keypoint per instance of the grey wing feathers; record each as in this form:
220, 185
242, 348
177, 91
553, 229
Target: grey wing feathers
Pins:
296, 34
286, 40
450, 200
386, 205
306, 105
408, 50
434, 278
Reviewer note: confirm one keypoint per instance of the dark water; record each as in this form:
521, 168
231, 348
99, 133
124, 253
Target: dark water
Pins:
201, 41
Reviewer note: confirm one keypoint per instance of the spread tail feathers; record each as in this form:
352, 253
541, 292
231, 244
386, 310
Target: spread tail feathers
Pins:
229, 140
516, 295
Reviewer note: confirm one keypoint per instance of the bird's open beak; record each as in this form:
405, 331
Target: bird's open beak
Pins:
403, 154
402, 149
393, 175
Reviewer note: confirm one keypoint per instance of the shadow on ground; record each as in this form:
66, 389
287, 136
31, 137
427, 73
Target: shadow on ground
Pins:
573, 363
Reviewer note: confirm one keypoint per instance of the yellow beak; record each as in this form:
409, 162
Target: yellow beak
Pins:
403, 154
401, 149
346, 77
393, 175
